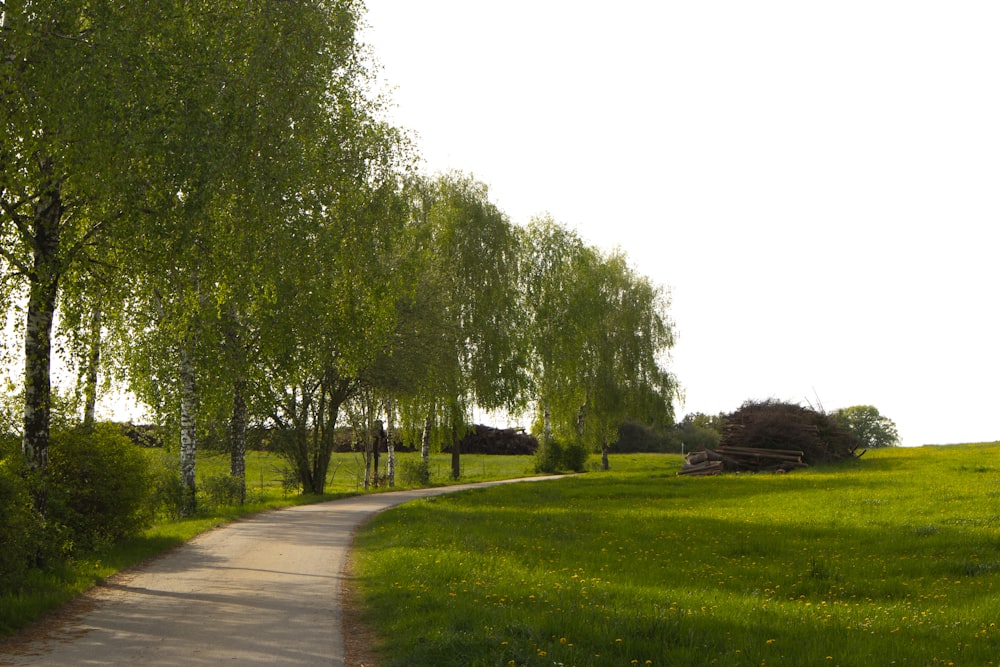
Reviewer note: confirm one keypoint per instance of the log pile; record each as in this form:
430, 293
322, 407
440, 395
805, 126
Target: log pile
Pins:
740, 459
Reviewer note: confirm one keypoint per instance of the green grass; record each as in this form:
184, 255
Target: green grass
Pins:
43, 591
346, 475
892, 559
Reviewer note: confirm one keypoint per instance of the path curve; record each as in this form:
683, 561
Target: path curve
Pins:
265, 590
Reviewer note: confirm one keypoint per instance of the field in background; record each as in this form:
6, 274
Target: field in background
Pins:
267, 472
891, 559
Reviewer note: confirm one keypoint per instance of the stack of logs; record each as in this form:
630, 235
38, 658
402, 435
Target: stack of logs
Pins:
740, 459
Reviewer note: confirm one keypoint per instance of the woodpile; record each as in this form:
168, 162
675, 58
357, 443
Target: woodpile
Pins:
740, 459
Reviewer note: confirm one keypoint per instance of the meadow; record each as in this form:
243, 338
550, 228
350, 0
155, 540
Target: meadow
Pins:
890, 559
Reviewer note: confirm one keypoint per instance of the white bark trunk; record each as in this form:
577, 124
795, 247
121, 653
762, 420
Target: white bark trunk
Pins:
390, 468
425, 440
93, 360
189, 398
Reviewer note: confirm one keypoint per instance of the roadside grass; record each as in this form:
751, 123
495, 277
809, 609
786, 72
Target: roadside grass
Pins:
890, 559
45, 590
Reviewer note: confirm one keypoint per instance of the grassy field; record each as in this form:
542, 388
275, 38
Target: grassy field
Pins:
43, 591
266, 471
892, 559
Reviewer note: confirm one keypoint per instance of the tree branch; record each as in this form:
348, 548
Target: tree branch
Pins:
14, 261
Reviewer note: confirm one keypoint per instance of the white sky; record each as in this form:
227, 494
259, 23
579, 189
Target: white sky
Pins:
815, 182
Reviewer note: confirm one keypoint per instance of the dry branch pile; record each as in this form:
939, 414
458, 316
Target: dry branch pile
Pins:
775, 425
773, 436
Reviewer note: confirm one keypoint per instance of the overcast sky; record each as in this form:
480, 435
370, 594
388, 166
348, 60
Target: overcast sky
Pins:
816, 183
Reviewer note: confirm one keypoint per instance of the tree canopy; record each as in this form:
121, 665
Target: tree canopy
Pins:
204, 201
868, 425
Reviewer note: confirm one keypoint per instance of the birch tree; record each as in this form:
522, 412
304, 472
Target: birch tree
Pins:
599, 336
71, 77
468, 298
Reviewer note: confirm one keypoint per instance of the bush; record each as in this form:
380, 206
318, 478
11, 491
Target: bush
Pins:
98, 485
222, 490
554, 457
414, 472
575, 457
166, 492
549, 457
21, 526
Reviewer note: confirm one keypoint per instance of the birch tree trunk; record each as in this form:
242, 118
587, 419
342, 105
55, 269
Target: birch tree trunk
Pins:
238, 439
547, 425
93, 360
189, 397
42, 294
456, 454
425, 439
390, 446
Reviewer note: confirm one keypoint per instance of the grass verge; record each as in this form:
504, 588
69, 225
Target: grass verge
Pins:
891, 559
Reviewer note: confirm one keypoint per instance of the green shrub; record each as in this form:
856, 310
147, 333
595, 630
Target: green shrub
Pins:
221, 490
549, 458
166, 492
98, 485
414, 472
574, 457
21, 526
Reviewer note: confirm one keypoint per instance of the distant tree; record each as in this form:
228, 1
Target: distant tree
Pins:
700, 431
635, 436
869, 426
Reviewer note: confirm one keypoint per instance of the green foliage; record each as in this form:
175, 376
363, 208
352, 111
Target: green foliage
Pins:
635, 437
166, 491
700, 431
549, 457
871, 428
98, 485
575, 457
553, 456
220, 490
21, 524
598, 333
413, 472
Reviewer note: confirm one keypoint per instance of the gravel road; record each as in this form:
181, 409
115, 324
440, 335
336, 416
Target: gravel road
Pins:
261, 591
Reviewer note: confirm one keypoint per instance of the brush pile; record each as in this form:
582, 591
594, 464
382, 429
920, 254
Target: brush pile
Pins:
774, 436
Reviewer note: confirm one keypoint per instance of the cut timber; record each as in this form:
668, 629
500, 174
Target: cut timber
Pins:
751, 459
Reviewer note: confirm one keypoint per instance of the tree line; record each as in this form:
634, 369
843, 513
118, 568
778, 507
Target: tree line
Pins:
201, 202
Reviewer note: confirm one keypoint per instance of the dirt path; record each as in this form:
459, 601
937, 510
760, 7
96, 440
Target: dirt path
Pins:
262, 591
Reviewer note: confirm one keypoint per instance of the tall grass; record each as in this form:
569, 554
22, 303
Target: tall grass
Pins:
892, 559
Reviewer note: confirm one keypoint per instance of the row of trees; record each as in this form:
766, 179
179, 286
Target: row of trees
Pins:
202, 200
